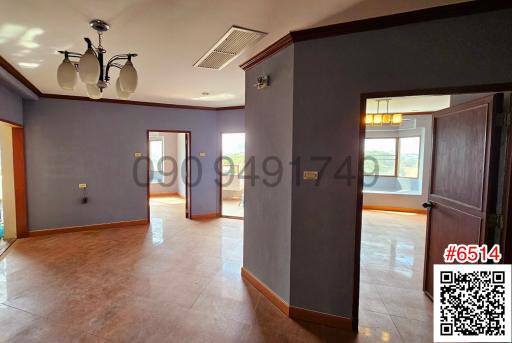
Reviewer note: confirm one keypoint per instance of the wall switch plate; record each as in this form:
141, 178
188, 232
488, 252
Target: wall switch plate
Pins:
202, 154
310, 175
138, 154
82, 185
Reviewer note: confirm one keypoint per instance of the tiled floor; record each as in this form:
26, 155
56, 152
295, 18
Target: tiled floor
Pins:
392, 255
179, 281
232, 207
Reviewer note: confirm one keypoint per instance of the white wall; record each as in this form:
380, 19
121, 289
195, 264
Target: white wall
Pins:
181, 155
170, 150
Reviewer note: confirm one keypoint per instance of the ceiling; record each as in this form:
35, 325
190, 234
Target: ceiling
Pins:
406, 104
169, 36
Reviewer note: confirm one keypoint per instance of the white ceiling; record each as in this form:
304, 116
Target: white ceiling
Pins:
169, 36
405, 104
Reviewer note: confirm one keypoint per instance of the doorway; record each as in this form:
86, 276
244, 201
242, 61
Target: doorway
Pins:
232, 183
168, 173
417, 197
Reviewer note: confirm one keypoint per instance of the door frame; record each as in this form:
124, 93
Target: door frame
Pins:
188, 169
220, 176
495, 88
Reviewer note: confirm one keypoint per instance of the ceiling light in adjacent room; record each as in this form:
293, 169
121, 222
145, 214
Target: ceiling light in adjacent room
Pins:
94, 72
380, 119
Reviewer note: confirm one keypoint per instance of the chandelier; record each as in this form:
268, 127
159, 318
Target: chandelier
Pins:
380, 119
93, 70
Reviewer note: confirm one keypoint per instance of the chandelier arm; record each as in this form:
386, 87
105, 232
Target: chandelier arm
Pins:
70, 53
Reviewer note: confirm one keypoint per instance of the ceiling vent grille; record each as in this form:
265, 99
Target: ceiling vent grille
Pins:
228, 47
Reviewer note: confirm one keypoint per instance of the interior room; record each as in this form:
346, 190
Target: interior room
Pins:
233, 164
269, 171
168, 170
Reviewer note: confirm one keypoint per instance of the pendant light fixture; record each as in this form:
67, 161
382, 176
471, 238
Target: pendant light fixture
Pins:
93, 71
380, 119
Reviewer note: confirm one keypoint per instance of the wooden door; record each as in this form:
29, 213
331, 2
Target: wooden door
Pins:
462, 193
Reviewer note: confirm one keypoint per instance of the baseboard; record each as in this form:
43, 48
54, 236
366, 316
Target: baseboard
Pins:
46, 232
163, 194
266, 292
205, 215
320, 318
296, 312
395, 209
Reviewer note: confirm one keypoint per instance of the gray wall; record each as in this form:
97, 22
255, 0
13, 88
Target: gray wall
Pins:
70, 142
329, 77
268, 126
11, 108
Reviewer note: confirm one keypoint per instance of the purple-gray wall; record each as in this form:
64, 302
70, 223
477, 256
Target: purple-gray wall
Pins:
329, 76
70, 142
11, 108
268, 121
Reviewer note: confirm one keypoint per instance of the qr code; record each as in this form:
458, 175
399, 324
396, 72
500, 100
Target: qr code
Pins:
472, 303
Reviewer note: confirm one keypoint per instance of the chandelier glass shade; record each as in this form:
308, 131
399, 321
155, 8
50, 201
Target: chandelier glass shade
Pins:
94, 72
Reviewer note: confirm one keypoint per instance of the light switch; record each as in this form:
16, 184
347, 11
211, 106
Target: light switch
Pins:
82, 185
310, 175
202, 154
137, 154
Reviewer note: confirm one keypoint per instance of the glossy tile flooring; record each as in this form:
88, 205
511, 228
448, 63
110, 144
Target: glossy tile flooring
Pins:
179, 281
392, 302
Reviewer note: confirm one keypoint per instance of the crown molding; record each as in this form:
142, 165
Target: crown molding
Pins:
17, 75
378, 23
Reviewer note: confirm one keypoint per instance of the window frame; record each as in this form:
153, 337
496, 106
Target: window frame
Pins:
161, 140
395, 173
399, 156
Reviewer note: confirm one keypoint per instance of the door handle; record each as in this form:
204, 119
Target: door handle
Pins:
428, 205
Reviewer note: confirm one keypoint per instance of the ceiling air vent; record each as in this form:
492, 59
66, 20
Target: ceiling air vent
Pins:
228, 47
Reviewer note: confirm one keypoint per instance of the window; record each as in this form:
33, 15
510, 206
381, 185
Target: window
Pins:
156, 153
409, 157
380, 156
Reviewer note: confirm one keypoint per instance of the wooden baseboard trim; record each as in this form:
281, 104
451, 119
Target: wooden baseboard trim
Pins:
320, 318
205, 216
296, 312
163, 194
394, 209
266, 292
46, 232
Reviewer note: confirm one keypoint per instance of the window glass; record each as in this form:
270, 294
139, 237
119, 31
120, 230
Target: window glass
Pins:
409, 160
383, 152
156, 153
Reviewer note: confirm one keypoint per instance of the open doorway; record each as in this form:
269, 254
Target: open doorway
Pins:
232, 185
421, 192
169, 191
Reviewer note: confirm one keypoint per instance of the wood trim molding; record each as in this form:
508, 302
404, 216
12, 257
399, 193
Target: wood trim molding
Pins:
266, 292
19, 76
320, 318
296, 312
394, 209
268, 51
200, 216
164, 194
378, 23
20, 191
38, 233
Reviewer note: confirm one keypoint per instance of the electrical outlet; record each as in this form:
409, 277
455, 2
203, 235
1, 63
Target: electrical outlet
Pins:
137, 154
82, 185
202, 154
